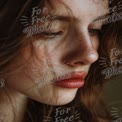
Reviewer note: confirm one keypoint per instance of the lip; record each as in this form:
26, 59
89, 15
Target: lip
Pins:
76, 80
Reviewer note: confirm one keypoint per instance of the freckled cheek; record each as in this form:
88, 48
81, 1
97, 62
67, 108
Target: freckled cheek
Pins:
46, 57
57, 54
26, 52
50, 53
54, 57
37, 58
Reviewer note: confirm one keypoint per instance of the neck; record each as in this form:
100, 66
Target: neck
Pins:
12, 105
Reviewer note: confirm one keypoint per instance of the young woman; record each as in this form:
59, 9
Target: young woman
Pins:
49, 66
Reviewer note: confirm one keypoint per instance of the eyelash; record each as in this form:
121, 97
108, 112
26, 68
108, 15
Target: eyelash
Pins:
52, 35
96, 31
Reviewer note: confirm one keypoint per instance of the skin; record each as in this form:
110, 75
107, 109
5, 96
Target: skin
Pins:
74, 50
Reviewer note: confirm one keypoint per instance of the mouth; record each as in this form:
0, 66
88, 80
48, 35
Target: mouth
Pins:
75, 80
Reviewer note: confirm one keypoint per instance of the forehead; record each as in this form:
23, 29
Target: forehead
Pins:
87, 9
78, 6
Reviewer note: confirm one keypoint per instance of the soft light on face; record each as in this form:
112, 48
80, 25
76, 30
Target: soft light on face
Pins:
68, 48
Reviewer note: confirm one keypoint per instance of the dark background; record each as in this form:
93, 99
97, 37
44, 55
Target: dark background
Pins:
113, 95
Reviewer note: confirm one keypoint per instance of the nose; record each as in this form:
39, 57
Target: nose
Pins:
82, 52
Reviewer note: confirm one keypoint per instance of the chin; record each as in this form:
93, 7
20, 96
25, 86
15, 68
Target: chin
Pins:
58, 102
62, 98
63, 102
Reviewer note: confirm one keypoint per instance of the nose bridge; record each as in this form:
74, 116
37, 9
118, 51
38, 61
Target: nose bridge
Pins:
86, 44
83, 51
82, 42
80, 38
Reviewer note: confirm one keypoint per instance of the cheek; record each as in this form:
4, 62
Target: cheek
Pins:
49, 52
36, 62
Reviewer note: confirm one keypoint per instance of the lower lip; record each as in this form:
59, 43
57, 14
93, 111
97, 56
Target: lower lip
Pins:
70, 83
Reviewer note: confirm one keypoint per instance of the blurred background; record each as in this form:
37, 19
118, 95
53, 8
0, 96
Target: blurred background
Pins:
113, 96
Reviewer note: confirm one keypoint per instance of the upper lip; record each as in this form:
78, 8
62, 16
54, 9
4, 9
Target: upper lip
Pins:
78, 75
74, 75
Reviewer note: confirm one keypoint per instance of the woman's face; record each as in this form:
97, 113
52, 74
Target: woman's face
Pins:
63, 54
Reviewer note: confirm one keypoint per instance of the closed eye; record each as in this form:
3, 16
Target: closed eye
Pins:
95, 31
51, 34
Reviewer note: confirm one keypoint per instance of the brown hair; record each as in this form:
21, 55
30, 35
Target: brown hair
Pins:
92, 107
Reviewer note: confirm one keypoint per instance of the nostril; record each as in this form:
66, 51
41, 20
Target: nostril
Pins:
78, 63
83, 58
73, 63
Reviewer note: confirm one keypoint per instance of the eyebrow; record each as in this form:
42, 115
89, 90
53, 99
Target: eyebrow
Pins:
105, 16
70, 18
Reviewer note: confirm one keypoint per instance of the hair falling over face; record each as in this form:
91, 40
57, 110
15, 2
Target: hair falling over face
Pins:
43, 42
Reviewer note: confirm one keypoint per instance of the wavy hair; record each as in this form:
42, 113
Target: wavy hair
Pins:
89, 99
